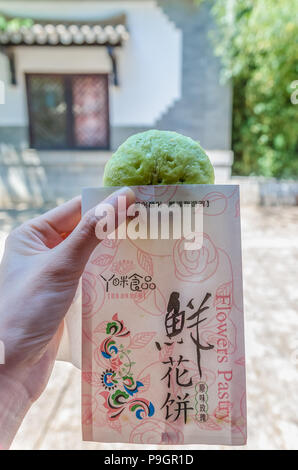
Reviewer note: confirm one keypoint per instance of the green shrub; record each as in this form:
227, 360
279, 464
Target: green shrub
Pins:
257, 41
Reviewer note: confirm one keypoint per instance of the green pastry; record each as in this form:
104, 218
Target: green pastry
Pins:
158, 157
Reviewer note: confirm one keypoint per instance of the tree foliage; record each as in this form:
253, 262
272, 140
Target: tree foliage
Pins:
14, 24
257, 41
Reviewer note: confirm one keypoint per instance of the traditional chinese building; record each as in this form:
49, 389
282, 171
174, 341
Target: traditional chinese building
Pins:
81, 76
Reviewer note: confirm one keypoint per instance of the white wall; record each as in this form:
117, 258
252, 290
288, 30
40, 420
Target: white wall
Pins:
149, 63
12, 112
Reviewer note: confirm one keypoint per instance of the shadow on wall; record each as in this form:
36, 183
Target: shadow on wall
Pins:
34, 178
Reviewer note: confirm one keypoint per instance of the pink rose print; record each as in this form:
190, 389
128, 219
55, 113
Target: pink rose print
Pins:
103, 256
145, 261
110, 243
102, 260
195, 265
140, 340
154, 431
123, 266
212, 424
218, 203
93, 295
153, 302
101, 327
160, 193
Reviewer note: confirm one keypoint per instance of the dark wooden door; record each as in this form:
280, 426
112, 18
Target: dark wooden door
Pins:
68, 111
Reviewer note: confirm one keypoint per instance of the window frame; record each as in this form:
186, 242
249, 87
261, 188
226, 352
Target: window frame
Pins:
70, 138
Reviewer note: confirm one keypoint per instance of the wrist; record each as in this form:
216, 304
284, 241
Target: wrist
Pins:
14, 404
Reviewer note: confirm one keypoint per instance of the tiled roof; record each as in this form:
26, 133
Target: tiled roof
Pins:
67, 34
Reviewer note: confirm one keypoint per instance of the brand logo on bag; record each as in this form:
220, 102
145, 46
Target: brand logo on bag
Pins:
135, 282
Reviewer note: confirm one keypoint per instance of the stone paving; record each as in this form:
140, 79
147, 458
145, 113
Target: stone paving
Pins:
270, 260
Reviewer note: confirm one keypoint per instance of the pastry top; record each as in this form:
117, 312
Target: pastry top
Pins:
158, 157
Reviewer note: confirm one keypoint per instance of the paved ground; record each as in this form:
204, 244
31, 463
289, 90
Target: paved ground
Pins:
270, 259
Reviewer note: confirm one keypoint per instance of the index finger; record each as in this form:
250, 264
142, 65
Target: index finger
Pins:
64, 218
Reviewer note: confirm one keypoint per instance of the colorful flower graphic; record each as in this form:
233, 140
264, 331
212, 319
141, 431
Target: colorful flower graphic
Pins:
108, 379
118, 380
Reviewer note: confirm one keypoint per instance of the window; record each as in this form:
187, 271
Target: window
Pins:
68, 111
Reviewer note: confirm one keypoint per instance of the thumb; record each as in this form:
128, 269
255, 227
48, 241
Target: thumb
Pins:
79, 245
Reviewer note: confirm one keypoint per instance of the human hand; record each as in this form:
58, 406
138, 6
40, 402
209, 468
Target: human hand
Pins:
43, 261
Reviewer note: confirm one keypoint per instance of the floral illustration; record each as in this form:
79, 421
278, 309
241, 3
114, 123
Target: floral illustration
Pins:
195, 265
118, 381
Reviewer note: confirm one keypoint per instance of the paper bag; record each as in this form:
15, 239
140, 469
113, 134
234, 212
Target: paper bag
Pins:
162, 329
